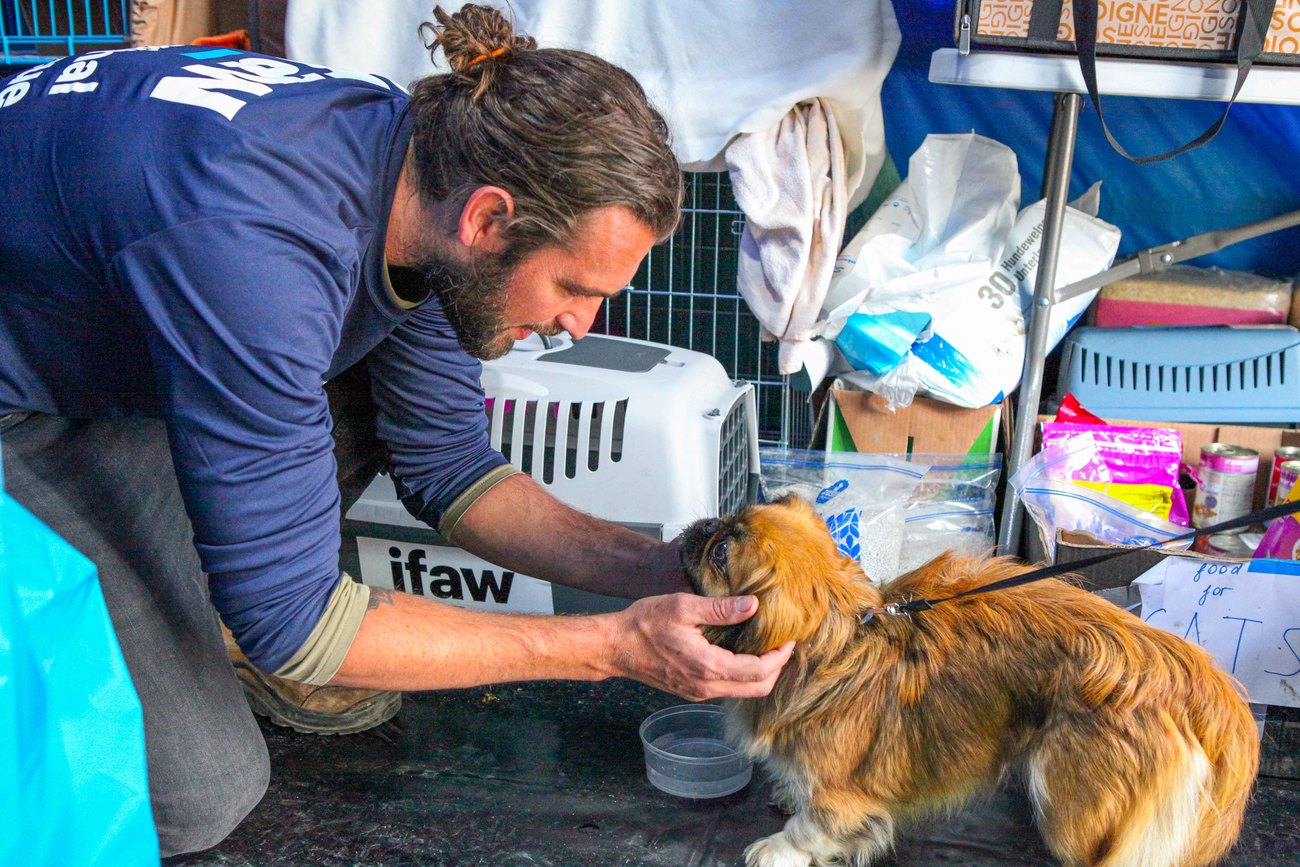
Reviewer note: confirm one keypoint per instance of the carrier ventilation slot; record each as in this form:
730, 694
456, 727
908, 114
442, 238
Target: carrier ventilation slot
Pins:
733, 460
1247, 375
527, 433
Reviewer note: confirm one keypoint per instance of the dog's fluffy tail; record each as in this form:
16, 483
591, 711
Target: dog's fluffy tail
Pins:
1231, 741
1197, 810
1160, 779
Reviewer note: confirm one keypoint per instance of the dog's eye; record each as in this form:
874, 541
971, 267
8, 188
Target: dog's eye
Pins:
718, 556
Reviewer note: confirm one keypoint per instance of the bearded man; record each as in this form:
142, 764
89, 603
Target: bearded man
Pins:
196, 241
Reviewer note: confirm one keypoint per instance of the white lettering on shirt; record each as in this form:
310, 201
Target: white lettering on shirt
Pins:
71, 79
18, 86
251, 75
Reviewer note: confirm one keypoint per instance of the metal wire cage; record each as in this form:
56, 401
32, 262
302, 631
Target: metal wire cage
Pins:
34, 31
685, 295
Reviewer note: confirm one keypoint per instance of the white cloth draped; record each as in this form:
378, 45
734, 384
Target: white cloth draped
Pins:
715, 68
792, 184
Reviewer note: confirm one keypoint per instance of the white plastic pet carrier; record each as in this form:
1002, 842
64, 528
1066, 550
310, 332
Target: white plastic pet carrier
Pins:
642, 434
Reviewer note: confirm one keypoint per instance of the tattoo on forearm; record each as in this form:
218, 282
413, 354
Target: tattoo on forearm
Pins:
379, 596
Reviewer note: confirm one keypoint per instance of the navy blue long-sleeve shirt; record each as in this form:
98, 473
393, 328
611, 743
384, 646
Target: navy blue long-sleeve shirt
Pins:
198, 234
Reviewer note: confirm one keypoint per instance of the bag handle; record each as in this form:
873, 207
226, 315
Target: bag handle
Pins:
1252, 28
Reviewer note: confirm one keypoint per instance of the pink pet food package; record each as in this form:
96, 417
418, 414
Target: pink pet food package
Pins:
1138, 465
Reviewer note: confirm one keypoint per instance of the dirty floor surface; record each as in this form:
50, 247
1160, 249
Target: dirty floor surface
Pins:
552, 774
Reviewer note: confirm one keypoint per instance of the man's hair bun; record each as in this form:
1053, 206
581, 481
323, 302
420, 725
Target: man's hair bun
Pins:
476, 41
562, 131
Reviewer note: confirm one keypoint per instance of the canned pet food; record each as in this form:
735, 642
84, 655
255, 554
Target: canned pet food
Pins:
1225, 483
1281, 456
1286, 476
1228, 545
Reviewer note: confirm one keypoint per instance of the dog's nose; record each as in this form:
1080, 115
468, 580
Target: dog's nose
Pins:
709, 527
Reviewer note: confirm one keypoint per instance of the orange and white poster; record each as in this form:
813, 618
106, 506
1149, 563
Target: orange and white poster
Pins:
1202, 24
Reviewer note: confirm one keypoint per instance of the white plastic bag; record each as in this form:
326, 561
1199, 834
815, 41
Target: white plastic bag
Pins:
949, 245
1087, 247
928, 249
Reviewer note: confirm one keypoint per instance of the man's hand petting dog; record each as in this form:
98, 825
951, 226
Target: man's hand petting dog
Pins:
661, 643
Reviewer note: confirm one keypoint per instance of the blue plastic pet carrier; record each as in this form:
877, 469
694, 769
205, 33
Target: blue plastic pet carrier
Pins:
34, 31
1203, 374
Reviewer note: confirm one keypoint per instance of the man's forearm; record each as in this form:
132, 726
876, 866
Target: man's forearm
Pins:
407, 642
519, 525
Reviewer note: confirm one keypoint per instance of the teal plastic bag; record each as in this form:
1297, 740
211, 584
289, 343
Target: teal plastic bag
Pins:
73, 785
877, 343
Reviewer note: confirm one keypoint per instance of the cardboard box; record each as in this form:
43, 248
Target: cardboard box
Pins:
859, 421
172, 22
1075, 545
1262, 439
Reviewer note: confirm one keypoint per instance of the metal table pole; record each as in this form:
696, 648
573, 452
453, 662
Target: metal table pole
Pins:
1056, 183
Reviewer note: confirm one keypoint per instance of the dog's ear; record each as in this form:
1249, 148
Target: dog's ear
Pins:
791, 607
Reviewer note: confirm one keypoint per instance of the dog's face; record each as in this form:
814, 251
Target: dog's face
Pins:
781, 553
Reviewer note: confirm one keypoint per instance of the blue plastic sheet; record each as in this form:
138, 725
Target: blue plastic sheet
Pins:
878, 343
1246, 173
73, 786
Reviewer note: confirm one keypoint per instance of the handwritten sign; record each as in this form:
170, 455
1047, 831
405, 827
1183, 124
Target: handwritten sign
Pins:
1246, 614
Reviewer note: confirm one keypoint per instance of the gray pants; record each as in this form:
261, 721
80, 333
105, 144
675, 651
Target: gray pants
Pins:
107, 487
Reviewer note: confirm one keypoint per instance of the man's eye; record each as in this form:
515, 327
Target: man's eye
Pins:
718, 556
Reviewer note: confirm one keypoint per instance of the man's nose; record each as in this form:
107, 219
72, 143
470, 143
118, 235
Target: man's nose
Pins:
577, 320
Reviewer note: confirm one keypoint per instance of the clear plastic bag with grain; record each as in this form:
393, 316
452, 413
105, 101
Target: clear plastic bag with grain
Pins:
861, 497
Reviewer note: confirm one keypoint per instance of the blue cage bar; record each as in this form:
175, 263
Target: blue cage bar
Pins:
34, 31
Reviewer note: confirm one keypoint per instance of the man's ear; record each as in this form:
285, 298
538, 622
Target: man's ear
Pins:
484, 218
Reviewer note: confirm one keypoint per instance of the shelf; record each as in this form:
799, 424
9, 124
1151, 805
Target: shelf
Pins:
1276, 85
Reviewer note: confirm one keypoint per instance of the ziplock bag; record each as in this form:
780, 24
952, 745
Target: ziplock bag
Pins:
861, 497
1138, 465
951, 509
1046, 488
961, 527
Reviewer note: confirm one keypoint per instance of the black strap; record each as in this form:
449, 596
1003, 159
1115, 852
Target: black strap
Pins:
915, 605
1045, 21
1252, 28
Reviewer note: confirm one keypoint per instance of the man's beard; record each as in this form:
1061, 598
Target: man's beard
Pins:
474, 298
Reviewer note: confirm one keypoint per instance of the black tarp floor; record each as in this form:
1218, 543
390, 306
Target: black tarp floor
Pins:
552, 774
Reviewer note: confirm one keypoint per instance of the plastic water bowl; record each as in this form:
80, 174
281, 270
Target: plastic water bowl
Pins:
687, 755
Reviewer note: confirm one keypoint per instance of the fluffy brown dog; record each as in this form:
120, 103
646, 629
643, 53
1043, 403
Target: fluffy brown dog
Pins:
1136, 749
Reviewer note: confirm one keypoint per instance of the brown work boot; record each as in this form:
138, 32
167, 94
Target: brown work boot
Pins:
323, 710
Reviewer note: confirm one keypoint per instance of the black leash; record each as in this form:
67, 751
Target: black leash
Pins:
912, 606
